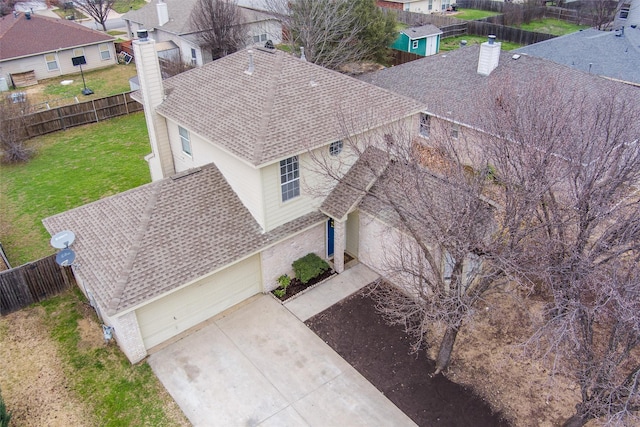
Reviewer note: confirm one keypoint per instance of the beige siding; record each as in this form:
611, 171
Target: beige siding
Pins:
243, 178
189, 306
353, 233
65, 66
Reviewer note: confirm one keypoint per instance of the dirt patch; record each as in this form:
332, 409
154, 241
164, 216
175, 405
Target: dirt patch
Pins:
380, 352
489, 383
33, 384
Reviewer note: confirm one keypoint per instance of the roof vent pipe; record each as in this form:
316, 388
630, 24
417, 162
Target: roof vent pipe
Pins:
251, 68
143, 35
304, 58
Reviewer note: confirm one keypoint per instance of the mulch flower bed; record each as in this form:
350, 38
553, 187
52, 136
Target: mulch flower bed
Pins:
297, 286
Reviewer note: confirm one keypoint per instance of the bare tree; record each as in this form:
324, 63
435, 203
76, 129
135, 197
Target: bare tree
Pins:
220, 27
13, 147
97, 9
600, 13
577, 153
335, 32
173, 65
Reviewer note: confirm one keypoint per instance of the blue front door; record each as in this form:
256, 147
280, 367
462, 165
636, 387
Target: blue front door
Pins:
329, 238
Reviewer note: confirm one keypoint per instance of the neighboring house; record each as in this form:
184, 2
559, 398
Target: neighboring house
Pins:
423, 41
34, 47
237, 194
169, 24
627, 14
418, 6
612, 54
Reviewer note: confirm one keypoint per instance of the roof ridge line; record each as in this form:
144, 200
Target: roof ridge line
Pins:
132, 253
268, 109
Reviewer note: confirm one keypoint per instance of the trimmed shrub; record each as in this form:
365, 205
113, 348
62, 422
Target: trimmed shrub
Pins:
309, 267
4, 415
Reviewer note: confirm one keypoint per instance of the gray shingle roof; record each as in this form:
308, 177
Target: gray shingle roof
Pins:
24, 37
355, 183
598, 52
449, 86
180, 16
285, 107
423, 31
143, 243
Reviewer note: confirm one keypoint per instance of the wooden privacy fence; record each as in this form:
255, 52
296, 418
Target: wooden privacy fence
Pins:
68, 116
31, 283
509, 34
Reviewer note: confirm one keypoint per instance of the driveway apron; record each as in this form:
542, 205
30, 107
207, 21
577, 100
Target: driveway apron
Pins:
259, 365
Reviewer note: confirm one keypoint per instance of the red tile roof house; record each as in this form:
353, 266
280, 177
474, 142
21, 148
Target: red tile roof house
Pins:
36, 47
235, 196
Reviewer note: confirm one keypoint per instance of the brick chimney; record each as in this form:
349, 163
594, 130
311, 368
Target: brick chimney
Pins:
163, 13
152, 91
489, 56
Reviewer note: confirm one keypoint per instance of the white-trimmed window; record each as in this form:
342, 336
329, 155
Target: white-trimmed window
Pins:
194, 57
289, 178
414, 44
260, 38
624, 10
425, 125
186, 141
105, 53
455, 130
52, 62
335, 148
430, 4
78, 52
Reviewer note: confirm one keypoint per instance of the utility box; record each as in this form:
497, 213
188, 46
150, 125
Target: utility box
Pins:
4, 86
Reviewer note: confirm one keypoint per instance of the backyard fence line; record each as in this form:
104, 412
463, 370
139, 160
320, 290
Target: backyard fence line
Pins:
68, 116
31, 283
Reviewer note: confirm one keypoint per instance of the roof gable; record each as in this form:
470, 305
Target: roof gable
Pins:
286, 106
44, 34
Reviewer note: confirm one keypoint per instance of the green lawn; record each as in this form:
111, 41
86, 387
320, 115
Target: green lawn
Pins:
474, 14
552, 26
71, 168
104, 82
452, 43
114, 391
122, 6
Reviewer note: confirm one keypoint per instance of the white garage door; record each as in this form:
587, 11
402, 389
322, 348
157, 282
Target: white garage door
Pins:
175, 313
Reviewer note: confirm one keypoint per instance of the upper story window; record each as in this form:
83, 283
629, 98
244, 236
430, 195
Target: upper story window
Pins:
194, 57
414, 44
335, 148
186, 141
78, 52
260, 38
425, 125
52, 61
430, 5
290, 178
105, 53
624, 10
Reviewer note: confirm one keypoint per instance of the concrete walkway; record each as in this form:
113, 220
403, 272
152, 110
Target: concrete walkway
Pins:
336, 289
259, 365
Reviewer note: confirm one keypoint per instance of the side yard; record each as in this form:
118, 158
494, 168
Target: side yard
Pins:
56, 368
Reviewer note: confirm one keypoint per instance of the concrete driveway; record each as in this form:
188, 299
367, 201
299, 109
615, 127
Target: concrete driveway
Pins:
260, 365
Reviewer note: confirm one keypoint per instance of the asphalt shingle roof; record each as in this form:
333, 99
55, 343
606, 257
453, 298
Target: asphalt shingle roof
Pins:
285, 107
180, 16
21, 37
355, 183
423, 31
597, 52
449, 85
143, 243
